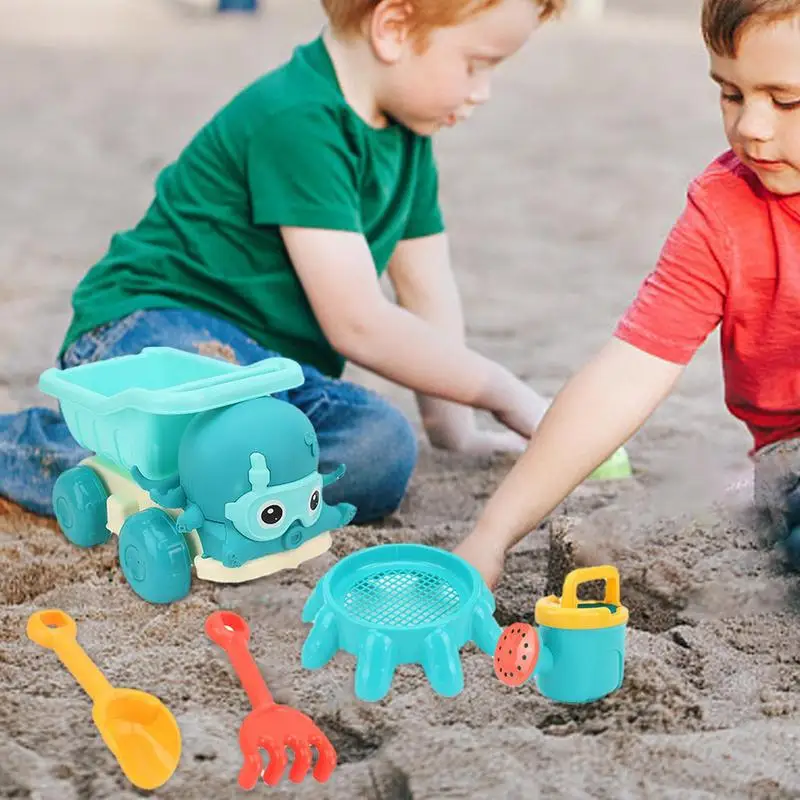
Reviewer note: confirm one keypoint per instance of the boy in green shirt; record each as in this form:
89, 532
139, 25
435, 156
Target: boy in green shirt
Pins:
270, 232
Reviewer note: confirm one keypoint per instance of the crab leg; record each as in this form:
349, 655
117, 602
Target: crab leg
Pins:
374, 667
323, 641
313, 604
442, 665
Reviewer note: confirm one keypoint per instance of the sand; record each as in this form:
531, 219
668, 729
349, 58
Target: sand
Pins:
558, 196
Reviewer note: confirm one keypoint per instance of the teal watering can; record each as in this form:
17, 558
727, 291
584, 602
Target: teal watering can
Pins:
577, 652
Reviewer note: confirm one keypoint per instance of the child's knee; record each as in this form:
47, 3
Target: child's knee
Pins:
389, 456
394, 456
380, 460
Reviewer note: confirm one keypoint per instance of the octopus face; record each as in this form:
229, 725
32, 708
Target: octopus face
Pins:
266, 512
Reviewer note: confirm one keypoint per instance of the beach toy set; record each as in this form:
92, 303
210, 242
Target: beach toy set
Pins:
196, 467
386, 605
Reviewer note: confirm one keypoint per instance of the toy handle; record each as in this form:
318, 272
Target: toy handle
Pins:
56, 631
609, 574
225, 627
48, 628
232, 634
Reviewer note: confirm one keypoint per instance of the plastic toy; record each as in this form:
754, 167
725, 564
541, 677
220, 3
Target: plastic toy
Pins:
399, 604
577, 654
195, 466
616, 467
137, 727
268, 726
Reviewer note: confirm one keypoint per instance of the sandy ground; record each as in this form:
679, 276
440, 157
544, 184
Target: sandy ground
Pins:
558, 196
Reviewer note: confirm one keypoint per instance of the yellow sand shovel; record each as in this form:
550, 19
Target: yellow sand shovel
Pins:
137, 727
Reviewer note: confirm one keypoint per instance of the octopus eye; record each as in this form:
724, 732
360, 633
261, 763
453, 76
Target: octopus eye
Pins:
313, 501
271, 514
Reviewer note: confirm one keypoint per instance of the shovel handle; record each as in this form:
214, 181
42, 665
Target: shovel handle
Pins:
56, 631
232, 634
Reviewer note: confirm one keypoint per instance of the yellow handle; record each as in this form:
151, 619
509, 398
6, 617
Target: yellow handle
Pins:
569, 597
57, 631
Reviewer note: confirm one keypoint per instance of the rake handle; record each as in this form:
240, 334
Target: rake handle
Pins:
232, 634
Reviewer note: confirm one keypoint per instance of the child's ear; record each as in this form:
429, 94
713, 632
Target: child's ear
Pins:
390, 29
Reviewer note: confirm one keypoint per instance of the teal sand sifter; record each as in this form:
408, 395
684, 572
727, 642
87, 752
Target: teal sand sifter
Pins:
400, 604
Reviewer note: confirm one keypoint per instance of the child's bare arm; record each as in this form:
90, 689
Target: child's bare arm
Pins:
596, 412
424, 284
338, 275
422, 276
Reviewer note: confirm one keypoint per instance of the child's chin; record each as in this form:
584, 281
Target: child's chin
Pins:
783, 184
424, 127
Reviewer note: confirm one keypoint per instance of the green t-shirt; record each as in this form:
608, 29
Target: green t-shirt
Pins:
287, 150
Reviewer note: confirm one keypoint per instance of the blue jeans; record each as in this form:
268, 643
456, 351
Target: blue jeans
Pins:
355, 426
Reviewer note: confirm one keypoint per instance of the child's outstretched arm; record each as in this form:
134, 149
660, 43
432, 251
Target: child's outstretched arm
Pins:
339, 278
595, 413
422, 276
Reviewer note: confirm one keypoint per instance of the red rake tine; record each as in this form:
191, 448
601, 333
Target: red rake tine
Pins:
269, 726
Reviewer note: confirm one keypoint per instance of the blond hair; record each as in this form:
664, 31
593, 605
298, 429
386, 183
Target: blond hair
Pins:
725, 21
347, 16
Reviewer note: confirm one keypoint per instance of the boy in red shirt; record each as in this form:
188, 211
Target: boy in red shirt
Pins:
732, 259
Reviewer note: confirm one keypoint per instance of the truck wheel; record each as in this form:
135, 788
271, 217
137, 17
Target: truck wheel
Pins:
154, 557
79, 503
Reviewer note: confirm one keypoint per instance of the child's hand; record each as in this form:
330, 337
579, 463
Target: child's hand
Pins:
486, 443
453, 427
522, 409
487, 556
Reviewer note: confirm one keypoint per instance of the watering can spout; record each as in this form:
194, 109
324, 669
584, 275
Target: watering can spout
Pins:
518, 653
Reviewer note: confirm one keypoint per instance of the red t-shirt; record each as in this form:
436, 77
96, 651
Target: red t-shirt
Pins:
733, 258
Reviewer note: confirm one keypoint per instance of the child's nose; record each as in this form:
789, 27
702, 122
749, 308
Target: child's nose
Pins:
756, 123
